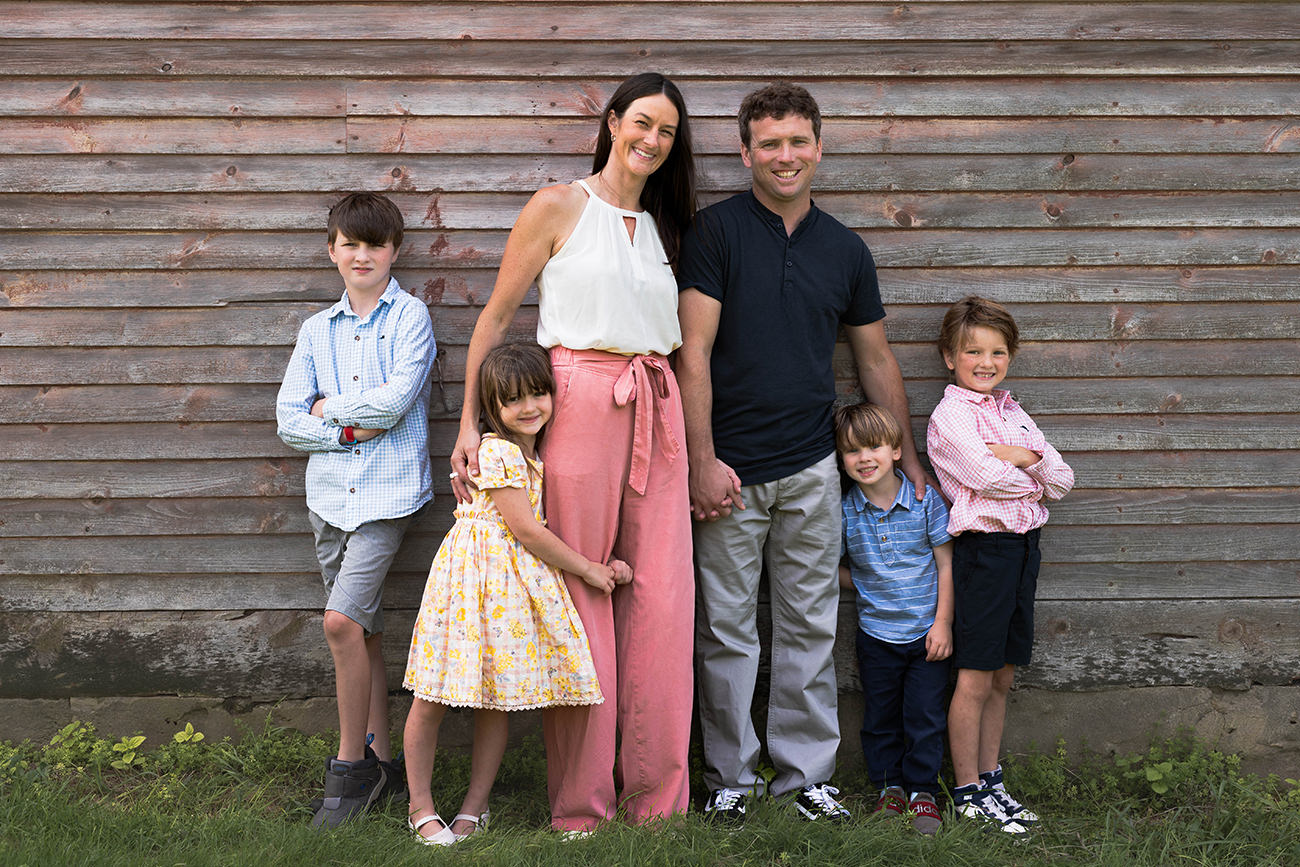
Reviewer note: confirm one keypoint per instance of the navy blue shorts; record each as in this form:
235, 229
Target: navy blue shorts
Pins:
994, 576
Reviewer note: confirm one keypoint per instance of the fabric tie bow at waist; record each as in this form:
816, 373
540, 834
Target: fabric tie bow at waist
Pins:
645, 380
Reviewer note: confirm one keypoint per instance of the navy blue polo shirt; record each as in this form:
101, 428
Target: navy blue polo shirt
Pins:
783, 299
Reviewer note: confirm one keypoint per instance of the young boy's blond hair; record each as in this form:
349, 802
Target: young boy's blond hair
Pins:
865, 425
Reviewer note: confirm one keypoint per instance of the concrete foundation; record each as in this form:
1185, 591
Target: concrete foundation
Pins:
1261, 724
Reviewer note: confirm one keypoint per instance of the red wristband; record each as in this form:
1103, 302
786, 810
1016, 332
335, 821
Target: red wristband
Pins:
349, 436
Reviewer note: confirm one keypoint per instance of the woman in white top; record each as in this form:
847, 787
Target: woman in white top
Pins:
601, 251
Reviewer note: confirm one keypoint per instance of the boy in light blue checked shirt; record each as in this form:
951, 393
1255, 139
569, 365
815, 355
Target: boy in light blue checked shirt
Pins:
900, 566
356, 397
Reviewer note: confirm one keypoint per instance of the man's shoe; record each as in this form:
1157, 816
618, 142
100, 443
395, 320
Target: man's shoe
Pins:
726, 806
818, 802
980, 805
926, 817
1013, 808
350, 789
892, 801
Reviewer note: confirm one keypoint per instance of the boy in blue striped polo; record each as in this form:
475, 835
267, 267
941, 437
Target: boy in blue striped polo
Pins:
899, 557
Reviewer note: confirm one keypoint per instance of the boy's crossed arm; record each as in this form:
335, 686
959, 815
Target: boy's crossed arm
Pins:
382, 407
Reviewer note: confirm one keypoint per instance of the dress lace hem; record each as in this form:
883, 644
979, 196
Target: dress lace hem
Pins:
486, 706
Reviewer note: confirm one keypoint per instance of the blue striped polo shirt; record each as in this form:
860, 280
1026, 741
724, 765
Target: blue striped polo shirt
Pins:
891, 559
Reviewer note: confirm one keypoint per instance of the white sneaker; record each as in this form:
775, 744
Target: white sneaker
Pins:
817, 802
1013, 808
726, 806
983, 807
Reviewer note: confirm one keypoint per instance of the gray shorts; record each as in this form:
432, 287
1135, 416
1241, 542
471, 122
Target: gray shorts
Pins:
354, 566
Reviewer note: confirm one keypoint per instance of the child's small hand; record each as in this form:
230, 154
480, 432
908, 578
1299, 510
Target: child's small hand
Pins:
622, 572
938, 642
599, 576
1015, 455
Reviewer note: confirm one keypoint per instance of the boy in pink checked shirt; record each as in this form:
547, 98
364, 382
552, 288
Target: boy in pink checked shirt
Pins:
997, 469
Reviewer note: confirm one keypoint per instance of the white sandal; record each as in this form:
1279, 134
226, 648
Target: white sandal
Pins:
444, 837
480, 824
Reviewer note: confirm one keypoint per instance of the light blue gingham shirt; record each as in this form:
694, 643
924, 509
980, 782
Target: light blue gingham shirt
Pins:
891, 559
373, 371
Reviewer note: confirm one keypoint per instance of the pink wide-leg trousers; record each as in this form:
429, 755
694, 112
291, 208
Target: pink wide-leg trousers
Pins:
616, 486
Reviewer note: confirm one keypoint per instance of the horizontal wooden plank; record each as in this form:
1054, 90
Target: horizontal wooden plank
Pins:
720, 96
1095, 284
185, 403
265, 554
1165, 432
1279, 505
1060, 582
187, 469
1230, 644
1183, 468
459, 286
1083, 322
1274, 579
244, 653
638, 21
1264, 96
303, 211
1211, 579
148, 443
762, 59
154, 516
270, 654
487, 135
266, 325
212, 592
148, 365
70, 404
92, 479
1094, 359
137, 517
1039, 247
277, 324
902, 248
1164, 396
894, 174
119, 97
143, 135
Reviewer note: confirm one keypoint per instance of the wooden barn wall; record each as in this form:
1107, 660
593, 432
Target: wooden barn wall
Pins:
1123, 175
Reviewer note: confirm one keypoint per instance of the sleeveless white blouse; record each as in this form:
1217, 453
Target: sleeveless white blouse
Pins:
604, 290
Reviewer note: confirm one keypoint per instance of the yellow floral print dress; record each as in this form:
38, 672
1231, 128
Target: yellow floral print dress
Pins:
497, 628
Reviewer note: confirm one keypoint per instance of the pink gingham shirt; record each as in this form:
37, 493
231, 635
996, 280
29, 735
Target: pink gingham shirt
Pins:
991, 495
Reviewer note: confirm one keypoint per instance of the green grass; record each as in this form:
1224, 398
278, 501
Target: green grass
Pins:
202, 803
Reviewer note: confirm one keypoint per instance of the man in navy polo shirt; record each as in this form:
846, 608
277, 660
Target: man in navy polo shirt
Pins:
767, 280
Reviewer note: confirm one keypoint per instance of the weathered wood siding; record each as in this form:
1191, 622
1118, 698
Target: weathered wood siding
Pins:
1126, 176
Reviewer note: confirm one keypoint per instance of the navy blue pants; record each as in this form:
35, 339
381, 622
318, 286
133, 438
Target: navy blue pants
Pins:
906, 713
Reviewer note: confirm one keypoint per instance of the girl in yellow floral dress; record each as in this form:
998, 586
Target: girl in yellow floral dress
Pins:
497, 630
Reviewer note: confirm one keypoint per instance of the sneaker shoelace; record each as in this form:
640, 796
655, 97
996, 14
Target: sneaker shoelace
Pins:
727, 799
822, 797
1010, 805
986, 804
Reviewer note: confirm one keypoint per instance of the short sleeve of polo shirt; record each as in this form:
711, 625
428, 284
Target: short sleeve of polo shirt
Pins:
936, 518
864, 304
702, 263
